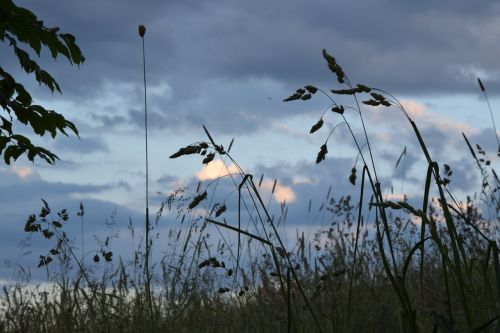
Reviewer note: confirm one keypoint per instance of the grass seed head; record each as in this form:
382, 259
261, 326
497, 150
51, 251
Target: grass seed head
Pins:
142, 30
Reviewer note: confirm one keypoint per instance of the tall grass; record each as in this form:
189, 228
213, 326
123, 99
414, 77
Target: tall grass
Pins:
368, 270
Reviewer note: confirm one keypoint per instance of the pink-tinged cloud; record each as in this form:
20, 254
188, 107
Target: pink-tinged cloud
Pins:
216, 169
22, 172
421, 115
281, 193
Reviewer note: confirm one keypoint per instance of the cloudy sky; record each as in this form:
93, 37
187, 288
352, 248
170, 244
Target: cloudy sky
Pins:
228, 65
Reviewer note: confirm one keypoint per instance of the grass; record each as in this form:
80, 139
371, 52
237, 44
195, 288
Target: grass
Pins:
433, 269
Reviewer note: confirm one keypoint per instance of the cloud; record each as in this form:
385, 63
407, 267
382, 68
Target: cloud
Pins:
23, 172
281, 193
198, 74
216, 169
191, 52
418, 112
82, 145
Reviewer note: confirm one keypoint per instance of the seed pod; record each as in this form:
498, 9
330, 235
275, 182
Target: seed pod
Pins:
209, 158
142, 30
480, 84
220, 210
338, 109
197, 200
316, 126
322, 153
311, 89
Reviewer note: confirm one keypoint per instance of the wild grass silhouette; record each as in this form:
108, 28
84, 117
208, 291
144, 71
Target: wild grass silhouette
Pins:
434, 269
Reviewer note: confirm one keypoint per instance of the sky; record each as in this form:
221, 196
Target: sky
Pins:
228, 65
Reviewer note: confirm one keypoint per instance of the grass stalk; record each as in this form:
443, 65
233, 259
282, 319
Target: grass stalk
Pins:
147, 273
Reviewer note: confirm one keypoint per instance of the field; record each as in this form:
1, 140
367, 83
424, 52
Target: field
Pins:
376, 266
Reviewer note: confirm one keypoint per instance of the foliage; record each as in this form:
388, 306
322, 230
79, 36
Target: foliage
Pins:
20, 28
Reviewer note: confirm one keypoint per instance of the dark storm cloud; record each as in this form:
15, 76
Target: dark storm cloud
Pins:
400, 46
393, 44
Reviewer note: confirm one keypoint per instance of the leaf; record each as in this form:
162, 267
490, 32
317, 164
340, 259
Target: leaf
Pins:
316, 126
19, 25
12, 153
